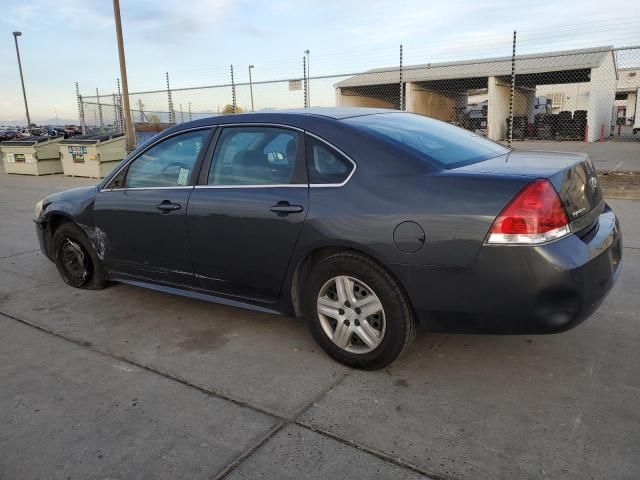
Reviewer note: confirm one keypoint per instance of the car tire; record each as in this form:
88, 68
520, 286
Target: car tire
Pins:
354, 336
76, 259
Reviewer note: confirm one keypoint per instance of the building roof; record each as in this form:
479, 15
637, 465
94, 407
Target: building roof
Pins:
486, 67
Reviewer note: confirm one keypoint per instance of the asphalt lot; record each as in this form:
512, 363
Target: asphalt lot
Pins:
127, 383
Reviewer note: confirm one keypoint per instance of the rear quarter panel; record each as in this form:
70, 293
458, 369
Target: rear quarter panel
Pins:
455, 212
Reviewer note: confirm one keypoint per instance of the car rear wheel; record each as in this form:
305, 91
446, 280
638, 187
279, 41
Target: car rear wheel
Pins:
75, 259
357, 312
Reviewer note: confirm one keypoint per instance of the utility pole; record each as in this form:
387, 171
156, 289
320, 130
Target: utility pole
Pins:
129, 134
251, 87
24, 92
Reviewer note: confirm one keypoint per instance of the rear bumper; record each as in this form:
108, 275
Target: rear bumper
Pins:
520, 289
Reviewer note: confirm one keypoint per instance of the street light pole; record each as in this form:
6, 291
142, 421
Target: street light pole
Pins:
251, 87
24, 92
308, 77
129, 135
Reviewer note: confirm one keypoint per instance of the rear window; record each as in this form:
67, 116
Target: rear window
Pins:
443, 144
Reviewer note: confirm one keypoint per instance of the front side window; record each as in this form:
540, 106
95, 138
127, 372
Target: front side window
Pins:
326, 165
169, 163
257, 156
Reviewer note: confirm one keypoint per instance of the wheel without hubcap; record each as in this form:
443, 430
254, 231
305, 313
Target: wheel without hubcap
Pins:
75, 258
351, 314
74, 262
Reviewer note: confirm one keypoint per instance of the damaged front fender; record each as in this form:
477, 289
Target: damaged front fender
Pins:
75, 205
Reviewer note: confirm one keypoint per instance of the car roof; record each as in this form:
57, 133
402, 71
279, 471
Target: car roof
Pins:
338, 113
293, 117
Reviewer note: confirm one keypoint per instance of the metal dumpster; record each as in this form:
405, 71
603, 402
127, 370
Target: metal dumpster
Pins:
91, 155
32, 155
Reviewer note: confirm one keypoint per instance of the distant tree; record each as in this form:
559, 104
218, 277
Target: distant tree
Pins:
153, 118
229, 109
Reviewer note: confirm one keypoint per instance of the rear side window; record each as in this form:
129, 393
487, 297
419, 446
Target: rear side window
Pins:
445, 145
257, 156
325, 164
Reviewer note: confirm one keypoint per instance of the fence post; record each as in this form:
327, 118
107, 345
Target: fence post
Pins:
172, 119
141, 107
401, 81
307, 52
100, 111
304, 79
80, 110
120, 109
513, 88
116, 120
190, 112
233, 92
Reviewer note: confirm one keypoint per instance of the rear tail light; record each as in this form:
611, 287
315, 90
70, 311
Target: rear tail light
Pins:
535, 215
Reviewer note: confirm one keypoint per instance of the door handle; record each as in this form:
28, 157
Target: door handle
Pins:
284, 208
167, 206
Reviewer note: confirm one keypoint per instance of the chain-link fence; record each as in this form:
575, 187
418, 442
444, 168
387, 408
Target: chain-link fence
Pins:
586, 94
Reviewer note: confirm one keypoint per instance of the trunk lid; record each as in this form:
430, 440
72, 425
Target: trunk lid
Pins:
572, 175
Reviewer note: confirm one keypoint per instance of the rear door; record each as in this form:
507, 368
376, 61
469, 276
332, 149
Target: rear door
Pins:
141, 214
245, 215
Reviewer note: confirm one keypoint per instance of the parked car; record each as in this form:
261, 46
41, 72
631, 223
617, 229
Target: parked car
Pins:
367, 222
11, 134
72, 130
6, 134
56, 132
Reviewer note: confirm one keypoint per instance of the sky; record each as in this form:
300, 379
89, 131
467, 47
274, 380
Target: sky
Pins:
68, 41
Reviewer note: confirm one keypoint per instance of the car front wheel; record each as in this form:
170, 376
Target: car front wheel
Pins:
75, 259
357, 312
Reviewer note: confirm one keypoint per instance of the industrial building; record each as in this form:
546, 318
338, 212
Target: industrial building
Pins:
588, 78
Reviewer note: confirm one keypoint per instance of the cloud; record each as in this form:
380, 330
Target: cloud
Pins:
172, 21
77, 13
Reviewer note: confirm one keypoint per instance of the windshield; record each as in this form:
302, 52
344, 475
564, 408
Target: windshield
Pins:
443, 144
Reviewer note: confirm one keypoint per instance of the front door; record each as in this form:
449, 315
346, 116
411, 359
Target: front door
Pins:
141, 215
244, 220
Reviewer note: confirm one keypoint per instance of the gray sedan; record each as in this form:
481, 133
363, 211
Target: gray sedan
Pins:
369, 223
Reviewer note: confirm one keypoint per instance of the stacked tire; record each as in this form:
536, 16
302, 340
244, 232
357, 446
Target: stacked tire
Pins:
545, 125
579, 123
565, 128
520, 126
